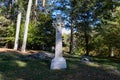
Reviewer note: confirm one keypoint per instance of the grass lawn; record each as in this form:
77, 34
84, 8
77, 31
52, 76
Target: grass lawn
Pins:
20, 69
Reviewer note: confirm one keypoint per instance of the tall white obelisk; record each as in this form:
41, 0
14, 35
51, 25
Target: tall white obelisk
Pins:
58, 62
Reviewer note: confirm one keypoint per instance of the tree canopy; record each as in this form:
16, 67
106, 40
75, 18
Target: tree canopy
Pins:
94, 24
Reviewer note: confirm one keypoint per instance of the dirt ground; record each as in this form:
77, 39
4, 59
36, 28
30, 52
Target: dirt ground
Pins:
18, 51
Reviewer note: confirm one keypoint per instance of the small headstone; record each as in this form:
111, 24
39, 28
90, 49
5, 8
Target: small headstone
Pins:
86, 60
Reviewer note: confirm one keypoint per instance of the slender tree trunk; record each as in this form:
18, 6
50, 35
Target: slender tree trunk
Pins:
16, 1
71, 37
10, 5
71, 34
86, 45
86, 35
35, 10
86, 41
17, 30
9, 13
43, 5
26, 26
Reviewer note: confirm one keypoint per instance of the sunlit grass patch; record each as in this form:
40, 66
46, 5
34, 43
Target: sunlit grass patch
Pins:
1, 77
22, 69
21, 63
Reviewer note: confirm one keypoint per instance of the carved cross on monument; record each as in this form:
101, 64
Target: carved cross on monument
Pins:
58, 62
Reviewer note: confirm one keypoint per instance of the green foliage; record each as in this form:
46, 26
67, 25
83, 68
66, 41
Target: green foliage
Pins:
100, 34
102, 37
6, 32
65, 40
40, 35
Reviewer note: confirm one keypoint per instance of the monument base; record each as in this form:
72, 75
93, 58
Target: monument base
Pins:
58, 63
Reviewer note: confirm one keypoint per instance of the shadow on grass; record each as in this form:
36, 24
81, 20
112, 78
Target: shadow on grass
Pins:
86, 72
26, 70
108, 61
19, 69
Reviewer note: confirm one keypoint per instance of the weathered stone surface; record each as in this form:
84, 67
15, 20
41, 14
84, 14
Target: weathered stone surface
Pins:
86, 60
58, 63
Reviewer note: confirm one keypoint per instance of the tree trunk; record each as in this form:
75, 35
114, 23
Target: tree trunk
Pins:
71, 38
9, 13
17, 30
43, 5
35, 10
16, 1
71, 34
86, 42
10, 5
26, 26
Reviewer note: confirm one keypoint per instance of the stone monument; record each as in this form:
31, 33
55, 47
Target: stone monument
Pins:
58, 62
